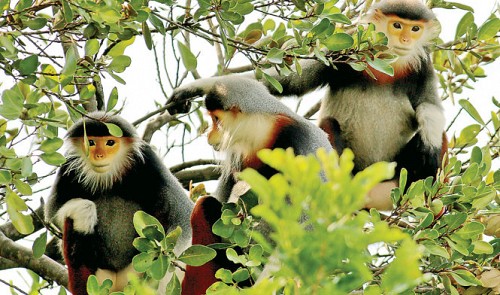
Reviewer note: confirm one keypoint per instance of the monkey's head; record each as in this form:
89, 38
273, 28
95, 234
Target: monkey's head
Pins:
99, 157
408, 24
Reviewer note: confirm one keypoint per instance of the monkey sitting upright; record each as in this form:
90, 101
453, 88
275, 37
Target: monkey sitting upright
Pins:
390, 118
105, 180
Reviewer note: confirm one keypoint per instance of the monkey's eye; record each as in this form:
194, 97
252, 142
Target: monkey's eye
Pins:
216, 118
415, 28
110, 142
396, 25
91, 142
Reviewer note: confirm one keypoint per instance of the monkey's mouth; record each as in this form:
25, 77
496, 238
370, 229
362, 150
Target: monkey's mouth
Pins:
401, 50
101, 168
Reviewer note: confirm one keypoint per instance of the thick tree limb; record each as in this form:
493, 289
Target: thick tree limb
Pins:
47, 268
198, 175
177, 168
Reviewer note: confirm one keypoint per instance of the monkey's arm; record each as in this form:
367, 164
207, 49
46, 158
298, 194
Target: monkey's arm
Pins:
422, 155
180, 100
314, 74
77, 219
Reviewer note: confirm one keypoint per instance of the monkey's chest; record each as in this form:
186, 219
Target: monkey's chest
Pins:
116, 231
375, 122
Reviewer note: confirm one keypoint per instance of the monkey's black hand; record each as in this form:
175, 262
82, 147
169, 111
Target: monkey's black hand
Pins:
180, 100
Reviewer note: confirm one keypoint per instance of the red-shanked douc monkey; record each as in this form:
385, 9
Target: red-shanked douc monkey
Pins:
105, 180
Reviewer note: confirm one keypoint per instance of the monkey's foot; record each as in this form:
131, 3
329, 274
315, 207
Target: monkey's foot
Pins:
82, 211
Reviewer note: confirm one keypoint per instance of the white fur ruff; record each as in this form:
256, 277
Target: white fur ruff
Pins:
243, 135
82, 211
95, 181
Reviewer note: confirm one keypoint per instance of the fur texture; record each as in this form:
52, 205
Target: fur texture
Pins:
95, 210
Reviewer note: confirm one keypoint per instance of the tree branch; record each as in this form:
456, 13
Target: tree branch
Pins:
198, 175
47, 268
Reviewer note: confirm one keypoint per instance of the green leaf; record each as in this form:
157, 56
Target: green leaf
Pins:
151, 232
435, 249
174, 286
23, 188
159, 267
68, 13
222, 230
241, 275
146, 33
471, 230
8, 44
12, 106
276, 84
454, 220
462, 27
482, 247
51, 145
22, 223
489, 29
275, 55
112, 100
143, 244
142, 219
468, 135
87, 92
338, 41
28, 65
224, 275
157, 23
69, 68
116, 131
465, 278
39, 245
26, 167
143, 261
120, 63
54, 159
188, 58
5, 177
92, 285
197, 255
36, 23
403, 273
119, 48
381, 66
92, 47
110, 15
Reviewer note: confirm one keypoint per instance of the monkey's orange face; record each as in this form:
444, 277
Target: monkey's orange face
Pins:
102, 151
216, 133
403, 34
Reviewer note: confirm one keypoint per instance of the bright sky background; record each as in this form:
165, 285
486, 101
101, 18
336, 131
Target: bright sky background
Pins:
142, 86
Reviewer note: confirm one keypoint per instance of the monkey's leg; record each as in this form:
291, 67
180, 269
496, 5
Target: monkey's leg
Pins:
197, 279
78, 270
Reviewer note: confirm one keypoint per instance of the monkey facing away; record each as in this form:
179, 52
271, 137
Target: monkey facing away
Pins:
391, 118
105, 180
247, 118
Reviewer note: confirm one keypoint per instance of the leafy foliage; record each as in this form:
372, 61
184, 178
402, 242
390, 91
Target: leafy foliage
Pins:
442, 235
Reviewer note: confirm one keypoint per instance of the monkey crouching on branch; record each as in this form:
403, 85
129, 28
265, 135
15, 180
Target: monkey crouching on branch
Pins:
105, 180
382, 117
246, 119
